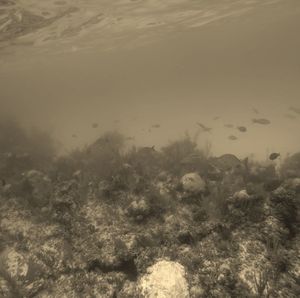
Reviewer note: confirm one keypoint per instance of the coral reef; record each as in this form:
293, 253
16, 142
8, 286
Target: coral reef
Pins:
106, 222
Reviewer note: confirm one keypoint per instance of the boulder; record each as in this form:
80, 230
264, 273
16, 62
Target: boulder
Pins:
165, 279
193, 183
241, 195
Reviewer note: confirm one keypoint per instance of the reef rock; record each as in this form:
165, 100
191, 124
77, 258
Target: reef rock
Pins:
39, 186
294, 184
13, 264
5, 290
165, 279
138, 209
193, 183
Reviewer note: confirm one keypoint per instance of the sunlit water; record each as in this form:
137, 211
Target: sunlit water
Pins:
175, 77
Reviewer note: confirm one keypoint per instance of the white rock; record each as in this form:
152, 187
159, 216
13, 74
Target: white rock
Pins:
192, 182
165, 279
241, 195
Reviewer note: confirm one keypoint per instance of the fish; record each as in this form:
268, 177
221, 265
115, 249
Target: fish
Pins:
204, 128
217, 118
294, 109
262, 121
274, 156
226, 162
255, 110
228, 125
242, 128
74, 135
95, 125
232, 138
156, 125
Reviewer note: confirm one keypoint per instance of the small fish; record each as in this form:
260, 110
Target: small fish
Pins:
262, 121
156, 125
296, 110
232, 138
217, 118
95, 125
204, 128
255, 110
228, 125
242, 128
274, 156
74, 135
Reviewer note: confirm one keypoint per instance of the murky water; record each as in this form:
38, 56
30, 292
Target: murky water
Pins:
179, 77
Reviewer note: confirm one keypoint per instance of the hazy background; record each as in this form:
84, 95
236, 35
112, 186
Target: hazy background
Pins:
224, 69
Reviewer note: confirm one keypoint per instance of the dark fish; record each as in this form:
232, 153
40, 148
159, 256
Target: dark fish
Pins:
228, 125
274, 155
232, 138
95, 125
296, 110
204, 128
242, 128
156, 125
74, 135
262, 121
217, 118
255, 110
226, 162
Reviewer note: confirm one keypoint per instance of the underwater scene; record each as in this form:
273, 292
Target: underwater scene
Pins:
150, 148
